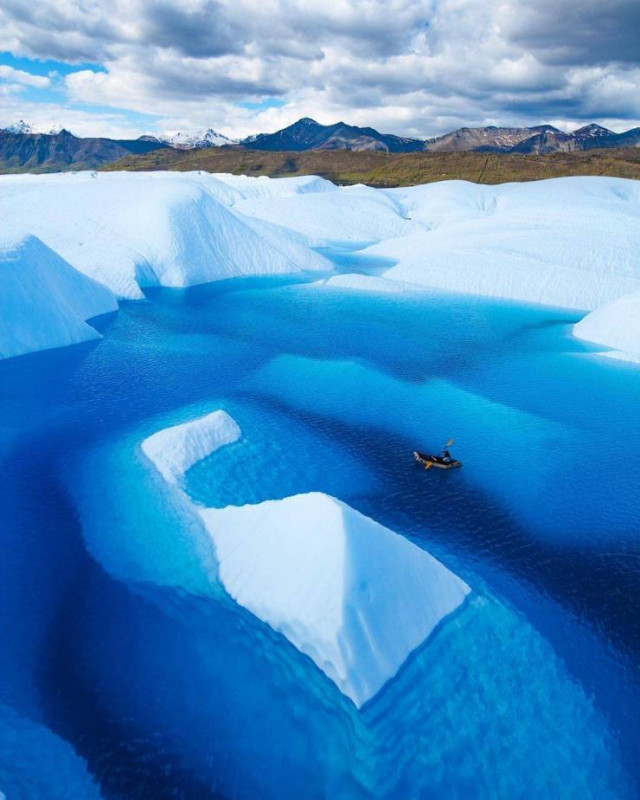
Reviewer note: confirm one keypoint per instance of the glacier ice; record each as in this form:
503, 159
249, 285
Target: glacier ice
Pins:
128, 230
174, 450
44, 302
352, 595
566, 242
615, 325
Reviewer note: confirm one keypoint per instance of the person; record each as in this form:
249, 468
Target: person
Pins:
446, 456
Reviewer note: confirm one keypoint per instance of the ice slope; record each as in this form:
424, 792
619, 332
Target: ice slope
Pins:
351, 215
128, 230
615, 325
352, 595
567, 242
44, 302
262, 188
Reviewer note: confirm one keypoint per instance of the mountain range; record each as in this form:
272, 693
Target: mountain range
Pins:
23, 149
59, 151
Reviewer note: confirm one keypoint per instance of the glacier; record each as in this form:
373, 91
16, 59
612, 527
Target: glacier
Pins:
331, 580
568, 242
130, 231
168, 668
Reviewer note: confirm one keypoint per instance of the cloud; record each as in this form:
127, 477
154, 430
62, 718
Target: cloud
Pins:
22, 78
418, 67
576, 32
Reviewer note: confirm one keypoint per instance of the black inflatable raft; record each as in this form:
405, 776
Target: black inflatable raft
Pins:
439, 462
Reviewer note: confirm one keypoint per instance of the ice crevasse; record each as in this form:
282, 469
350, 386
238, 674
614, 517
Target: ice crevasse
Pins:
352, 595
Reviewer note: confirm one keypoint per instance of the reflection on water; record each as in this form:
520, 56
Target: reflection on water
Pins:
528, 690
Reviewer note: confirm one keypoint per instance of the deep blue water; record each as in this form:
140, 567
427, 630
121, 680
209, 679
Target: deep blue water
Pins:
530, 690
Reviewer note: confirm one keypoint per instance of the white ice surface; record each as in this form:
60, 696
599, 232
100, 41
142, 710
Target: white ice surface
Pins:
351, 594
615, 325
566, 242
44, 302
174, 450
128, 230
355, 214
354, 596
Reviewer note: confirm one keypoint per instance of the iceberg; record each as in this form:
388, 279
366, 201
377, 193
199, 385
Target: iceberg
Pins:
44, 302
352, 595
615, 325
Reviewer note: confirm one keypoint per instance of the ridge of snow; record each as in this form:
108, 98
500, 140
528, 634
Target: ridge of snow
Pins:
22, 127
356, 214
565, 242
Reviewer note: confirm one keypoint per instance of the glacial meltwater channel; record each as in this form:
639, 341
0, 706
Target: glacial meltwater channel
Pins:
529, 690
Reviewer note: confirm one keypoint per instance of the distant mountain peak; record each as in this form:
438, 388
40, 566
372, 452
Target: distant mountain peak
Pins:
194, 140
307, 134
20, 127
592, 129
23, 128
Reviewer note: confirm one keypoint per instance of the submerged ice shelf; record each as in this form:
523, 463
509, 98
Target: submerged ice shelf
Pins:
349, 593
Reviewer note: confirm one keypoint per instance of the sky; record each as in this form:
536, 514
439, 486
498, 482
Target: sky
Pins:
413, 67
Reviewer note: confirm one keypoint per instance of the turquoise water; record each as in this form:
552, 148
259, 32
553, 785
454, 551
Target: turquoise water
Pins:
109, 642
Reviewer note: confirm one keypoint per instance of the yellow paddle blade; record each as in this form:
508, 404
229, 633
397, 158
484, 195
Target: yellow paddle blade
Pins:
449, 443
428, 465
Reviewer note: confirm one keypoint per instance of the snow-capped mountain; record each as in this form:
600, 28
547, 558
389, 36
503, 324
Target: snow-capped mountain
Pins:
307, 134
183, 140
22, 127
